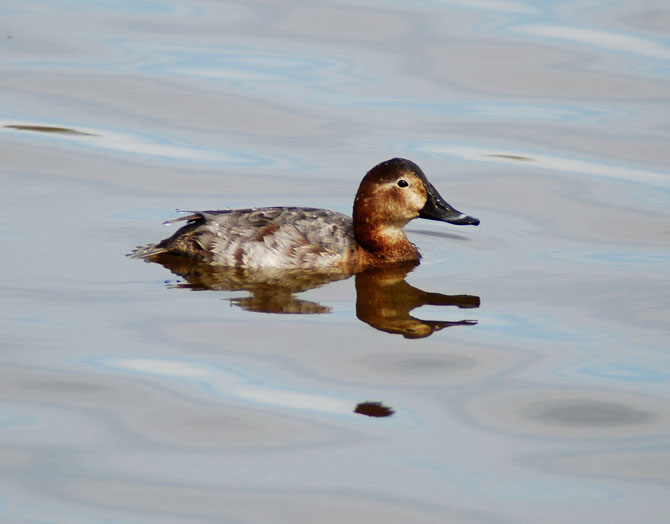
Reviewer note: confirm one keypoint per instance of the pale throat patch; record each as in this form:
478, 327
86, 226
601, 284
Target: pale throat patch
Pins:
393, 232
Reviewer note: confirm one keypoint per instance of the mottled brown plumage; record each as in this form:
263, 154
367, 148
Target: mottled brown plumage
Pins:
390, 195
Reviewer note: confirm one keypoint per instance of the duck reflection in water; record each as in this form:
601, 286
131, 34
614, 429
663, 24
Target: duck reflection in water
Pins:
384, 299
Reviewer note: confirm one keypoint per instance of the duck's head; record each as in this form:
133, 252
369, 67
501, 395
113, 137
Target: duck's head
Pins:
396, 191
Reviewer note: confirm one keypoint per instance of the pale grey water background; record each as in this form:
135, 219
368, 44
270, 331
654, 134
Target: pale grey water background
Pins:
126, 400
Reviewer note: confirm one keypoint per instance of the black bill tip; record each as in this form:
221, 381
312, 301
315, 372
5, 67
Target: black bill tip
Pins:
436, 208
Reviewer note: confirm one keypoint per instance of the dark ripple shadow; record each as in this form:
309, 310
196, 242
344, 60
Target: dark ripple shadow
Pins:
48, 129
586, 414
446, 236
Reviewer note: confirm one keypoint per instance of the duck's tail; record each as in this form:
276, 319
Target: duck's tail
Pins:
164, 246
149, 251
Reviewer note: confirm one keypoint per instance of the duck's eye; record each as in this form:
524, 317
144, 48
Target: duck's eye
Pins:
402, 183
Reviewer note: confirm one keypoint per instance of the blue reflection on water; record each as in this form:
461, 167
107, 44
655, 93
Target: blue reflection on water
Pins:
624, 373
531, 327
116, 6
10, 418
631, 256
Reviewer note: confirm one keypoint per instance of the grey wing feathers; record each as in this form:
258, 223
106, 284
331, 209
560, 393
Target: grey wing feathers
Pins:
275, 236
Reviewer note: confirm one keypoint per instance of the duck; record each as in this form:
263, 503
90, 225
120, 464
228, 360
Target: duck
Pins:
390, 195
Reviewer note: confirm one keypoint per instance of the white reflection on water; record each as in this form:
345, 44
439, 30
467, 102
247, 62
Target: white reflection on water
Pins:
249, 65
493, 5
547, 161
228, 383
509, 110
134, 143
617, 42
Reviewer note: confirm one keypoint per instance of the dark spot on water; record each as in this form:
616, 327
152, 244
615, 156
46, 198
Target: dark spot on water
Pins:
373, 409
587, 413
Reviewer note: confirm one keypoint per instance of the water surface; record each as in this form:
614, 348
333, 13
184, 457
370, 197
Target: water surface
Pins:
129, 396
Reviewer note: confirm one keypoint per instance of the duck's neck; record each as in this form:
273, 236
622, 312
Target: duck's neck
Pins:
385, 242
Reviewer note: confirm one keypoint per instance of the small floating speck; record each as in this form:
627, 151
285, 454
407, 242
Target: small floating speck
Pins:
373, 409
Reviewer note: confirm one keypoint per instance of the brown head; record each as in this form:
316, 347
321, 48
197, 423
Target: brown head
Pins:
390, 195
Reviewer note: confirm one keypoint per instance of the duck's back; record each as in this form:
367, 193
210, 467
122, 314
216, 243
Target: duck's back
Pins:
264, 237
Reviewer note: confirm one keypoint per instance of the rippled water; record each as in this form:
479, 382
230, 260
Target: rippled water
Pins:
132, 394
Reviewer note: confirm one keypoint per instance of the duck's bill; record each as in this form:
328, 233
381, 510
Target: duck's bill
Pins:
436, 208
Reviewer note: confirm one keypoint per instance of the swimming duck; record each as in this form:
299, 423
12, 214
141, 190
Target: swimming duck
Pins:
391, 194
